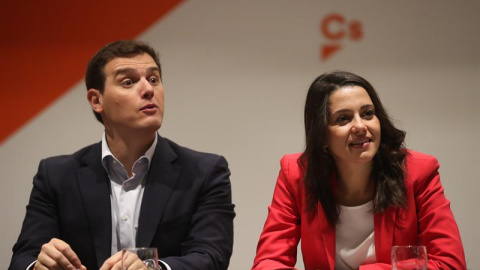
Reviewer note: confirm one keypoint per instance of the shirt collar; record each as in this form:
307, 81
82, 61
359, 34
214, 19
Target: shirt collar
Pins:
107, 153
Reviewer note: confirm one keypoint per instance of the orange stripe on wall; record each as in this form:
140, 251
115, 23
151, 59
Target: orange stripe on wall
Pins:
45, 47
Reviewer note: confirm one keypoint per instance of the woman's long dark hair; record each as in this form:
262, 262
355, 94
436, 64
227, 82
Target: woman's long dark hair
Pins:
318, 164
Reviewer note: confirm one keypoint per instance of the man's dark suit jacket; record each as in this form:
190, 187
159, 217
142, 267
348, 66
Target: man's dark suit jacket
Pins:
186, 212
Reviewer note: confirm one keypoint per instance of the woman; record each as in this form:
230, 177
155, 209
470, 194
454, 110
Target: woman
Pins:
355, 191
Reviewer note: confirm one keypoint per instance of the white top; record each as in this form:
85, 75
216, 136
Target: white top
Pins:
355, 239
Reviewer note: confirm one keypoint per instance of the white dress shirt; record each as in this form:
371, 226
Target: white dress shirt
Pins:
126, 196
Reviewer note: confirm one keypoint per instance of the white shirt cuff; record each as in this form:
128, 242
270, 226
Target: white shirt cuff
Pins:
31, 265
168, 266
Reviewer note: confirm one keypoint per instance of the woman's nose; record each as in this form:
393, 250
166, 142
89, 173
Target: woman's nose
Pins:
358, 126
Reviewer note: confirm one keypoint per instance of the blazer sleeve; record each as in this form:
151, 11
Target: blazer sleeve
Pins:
209, 243
277, 247
438, 230
40, 223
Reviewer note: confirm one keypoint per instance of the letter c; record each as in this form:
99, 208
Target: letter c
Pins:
326, 29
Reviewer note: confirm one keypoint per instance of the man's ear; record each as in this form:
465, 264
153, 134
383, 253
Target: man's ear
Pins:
95, 99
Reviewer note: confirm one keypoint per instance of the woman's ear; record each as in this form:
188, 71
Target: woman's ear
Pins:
95, 99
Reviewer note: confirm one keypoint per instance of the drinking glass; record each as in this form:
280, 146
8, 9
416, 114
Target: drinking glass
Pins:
133, 257
409, 258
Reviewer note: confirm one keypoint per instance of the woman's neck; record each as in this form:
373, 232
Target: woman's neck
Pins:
354, 184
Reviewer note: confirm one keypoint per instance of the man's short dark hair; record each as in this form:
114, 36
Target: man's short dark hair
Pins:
95, 76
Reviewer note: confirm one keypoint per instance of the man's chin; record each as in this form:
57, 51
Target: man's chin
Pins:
153, 128
152, 124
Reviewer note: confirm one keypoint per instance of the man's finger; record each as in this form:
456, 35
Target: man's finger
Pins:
132, 262
112, 261
51, 258
67, 252
118, 266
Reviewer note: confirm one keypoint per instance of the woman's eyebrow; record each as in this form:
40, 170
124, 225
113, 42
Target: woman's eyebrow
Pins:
348, 110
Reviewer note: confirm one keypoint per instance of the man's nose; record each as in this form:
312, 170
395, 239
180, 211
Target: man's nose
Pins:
146, 89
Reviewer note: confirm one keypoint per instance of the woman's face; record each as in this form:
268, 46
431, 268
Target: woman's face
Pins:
353, 128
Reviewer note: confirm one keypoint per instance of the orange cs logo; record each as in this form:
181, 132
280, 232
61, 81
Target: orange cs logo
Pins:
335, 29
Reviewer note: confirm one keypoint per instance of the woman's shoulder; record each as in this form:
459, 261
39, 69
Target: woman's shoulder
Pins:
412, 154
420, 164
290, 161
419, 158
291, 157
290, 166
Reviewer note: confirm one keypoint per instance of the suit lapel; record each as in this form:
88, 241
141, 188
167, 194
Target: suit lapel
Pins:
159, 186
95, 189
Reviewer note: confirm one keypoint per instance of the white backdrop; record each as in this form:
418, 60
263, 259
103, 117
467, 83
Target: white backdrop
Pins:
236, 74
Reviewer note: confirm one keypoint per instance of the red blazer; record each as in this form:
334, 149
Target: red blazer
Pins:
427, 220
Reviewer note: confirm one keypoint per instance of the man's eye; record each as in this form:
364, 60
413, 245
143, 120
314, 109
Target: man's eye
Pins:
153, 80
127, 82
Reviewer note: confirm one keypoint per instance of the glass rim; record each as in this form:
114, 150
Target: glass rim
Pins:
139, 248
409, 246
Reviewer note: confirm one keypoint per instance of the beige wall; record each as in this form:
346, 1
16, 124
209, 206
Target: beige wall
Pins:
236, 74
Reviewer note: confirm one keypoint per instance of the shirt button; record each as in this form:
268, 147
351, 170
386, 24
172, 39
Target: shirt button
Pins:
125, 217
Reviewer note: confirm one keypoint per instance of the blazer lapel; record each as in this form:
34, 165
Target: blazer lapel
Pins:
330, 232
329, 244
159, 186
328, 238
95, 190
319, 246
384, 224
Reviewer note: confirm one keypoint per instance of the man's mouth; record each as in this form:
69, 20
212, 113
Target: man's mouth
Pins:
148, 107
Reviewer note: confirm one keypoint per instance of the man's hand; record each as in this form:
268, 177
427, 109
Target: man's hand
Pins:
57, 254
131, 262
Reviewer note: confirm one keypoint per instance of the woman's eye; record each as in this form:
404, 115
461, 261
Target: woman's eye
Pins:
342, 119
369, 113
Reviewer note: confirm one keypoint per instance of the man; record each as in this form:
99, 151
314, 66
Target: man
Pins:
134, 188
